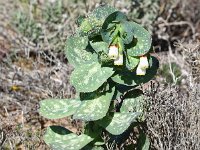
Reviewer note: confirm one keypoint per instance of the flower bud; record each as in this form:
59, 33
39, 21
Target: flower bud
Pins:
144, 64
140, 71
113, 52
119, 60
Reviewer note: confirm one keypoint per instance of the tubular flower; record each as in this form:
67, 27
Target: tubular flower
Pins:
119, 60
144, 64
113, 52
140, 71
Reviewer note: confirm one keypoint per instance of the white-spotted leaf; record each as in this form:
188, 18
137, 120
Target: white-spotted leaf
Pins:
58, 108
59, 138
142, 43
110, 30
94, 107
127, 32
100, 46
77, 52
132, 62
98, 16
91, 25
89, 77
132, 105
120, 122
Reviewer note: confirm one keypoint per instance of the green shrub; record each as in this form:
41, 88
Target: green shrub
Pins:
111, 58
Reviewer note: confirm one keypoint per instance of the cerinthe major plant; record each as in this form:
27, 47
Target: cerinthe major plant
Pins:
111, 58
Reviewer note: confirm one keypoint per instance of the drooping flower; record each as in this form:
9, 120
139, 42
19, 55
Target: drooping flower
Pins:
113, 52
119, 61
140, 71
142, 66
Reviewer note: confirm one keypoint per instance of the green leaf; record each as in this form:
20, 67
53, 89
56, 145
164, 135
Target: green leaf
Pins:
77, 52
110, 34
127, 32
133, 102
98, 16
125, 78
100, 46
142, 43
131, 79
89, 129
58, 108
143, 143
89, 77
85, 27
132, 62
102, 12
111, 26
59, 138
91, 26
118, 123
98, 143
122, 89
97, 148
94, 107
80, 20
115, 17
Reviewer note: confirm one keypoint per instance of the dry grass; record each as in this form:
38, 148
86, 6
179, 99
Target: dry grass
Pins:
173, 118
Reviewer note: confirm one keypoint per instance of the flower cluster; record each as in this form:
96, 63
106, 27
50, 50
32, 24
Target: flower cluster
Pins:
118, 60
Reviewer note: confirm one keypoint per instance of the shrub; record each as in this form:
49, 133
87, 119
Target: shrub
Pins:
111, 58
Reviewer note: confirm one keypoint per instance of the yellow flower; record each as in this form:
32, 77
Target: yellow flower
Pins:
15, 88
119, 60
113, 52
